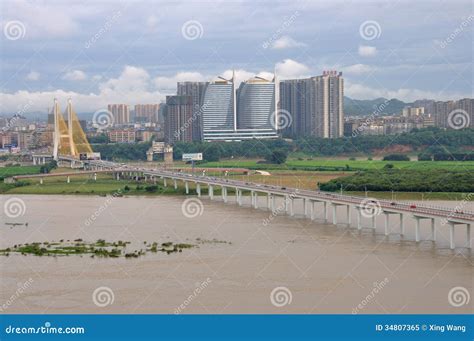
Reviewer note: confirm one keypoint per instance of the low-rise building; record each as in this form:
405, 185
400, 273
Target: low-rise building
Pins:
122, 136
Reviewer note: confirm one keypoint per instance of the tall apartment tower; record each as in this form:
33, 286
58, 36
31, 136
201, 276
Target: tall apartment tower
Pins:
120, 112
178, 119
315, 104
146, 112
196, 90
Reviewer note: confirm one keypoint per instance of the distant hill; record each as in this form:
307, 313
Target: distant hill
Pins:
354, 107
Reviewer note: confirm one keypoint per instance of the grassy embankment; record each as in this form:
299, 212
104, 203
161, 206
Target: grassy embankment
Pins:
341, 165
105, 184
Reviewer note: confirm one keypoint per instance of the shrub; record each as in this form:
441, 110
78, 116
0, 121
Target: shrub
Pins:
396, 157
151, 188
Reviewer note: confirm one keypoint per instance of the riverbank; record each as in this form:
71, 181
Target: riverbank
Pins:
108, 186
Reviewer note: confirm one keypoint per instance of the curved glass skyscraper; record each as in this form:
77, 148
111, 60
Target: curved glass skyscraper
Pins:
256, 104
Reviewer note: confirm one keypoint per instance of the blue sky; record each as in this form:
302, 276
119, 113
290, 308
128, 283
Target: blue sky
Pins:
99, 52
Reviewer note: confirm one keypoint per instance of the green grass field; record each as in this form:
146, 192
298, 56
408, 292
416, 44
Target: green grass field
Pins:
80, 186
18, 170
338, 164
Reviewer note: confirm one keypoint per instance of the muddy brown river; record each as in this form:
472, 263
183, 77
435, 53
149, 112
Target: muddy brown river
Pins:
268, 265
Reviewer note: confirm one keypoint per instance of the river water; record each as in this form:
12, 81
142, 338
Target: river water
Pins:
270, 265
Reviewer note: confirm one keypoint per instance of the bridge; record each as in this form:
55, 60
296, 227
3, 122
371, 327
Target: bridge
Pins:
70, 141
366, 207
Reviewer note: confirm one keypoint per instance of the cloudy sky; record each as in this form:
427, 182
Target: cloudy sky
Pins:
100, 52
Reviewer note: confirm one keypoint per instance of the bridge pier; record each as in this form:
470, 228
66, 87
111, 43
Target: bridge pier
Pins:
95, 176
68, 179
334, 215
305, 207
451, 235
238, 193
417, 226
312, 213
198, 189
41, 181
224, 193
334, 212
175, 183
164, 183
286, 203
402, 225
273, 203
255, 200
348, 215
210, 190
292, 207
387, 220
433, 230
468, 232
186, 185
268, 201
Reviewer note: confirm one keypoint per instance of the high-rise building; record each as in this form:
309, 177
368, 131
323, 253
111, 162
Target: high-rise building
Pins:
230, 115
146, 112
218, 109
256, 104
316, 105
120, 113
197, 91
178, 119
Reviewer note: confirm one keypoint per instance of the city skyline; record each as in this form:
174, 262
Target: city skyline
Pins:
136, 54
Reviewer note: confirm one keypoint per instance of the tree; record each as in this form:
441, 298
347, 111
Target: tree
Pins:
277, 156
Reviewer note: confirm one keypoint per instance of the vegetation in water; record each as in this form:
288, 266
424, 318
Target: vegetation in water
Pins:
100, 248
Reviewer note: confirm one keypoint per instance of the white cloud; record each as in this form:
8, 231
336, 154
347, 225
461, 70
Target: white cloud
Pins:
75, 75
132, 86
367, 51
358, 69
167, 83
359, 91
33, 76
286, 42
38, 18
290, 68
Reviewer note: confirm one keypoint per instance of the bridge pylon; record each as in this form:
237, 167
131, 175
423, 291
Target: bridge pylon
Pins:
68, 139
